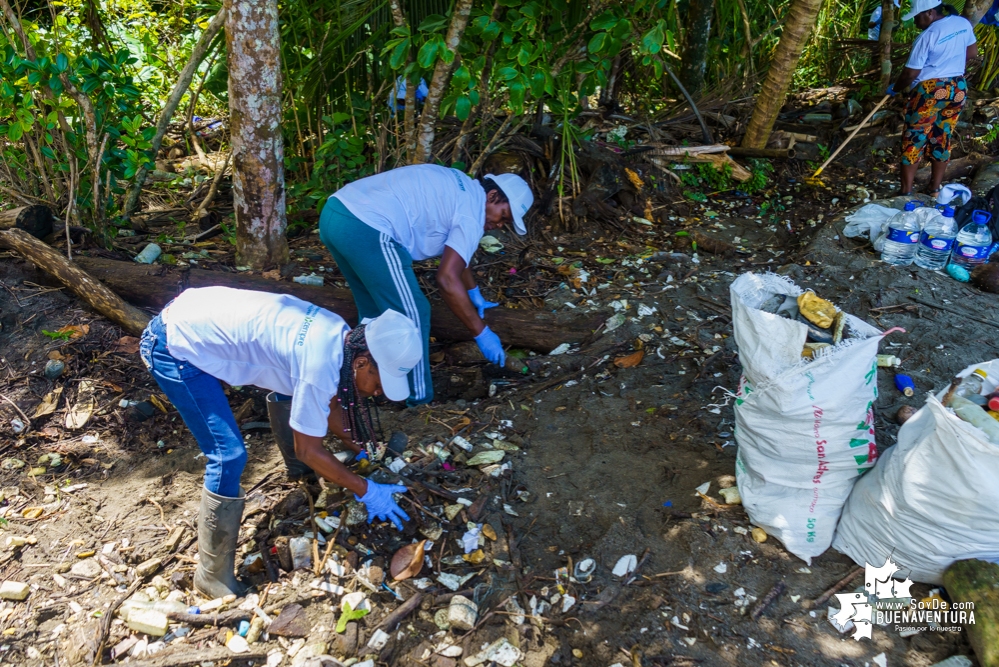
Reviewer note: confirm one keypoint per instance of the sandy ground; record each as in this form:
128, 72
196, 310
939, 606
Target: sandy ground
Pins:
609, 462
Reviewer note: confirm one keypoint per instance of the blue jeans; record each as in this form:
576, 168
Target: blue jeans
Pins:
202, 405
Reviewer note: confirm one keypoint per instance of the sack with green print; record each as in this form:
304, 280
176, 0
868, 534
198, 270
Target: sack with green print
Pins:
805, 427
931, 499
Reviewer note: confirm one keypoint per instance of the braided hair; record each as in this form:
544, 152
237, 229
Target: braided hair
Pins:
357, 410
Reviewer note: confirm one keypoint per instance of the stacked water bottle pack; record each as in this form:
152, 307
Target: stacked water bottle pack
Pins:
928, 236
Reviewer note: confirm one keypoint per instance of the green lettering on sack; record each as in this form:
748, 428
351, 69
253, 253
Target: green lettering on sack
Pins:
859, 442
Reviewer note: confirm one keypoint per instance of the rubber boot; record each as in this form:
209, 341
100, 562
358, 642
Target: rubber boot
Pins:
218, 532
279, 414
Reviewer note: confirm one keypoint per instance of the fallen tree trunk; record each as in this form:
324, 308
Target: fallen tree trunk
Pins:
99, 297
36, 220
152, 286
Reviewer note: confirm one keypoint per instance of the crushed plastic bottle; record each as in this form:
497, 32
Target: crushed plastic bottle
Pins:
972, 384
903, 236
936, 240
973, 242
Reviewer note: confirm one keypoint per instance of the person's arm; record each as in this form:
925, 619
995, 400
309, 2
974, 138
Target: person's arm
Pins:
971, 55
905, 79
335, 424
452, 277
310, 451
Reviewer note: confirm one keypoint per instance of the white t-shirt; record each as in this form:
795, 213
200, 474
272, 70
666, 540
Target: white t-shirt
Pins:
272, 341
940, 52
422, 207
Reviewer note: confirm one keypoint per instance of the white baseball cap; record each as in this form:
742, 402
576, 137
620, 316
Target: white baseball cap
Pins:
920, 6
519, 193
397, 348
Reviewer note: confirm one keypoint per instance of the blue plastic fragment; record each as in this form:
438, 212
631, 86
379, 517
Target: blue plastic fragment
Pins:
668, 503
958, 273
244, 627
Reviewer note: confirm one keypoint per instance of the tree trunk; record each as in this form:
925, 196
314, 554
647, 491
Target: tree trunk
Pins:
798, 24
153, 286
99, 297
253, 42
884, 41
695, 52
974, 10
163, 122
977, 582
440, 81
36, 220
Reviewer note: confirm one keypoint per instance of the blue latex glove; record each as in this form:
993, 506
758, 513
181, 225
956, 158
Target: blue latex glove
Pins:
381, 505
891, 91
492, 348
480, 302
362, 456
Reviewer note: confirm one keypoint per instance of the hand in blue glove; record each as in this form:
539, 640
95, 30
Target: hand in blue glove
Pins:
362, 456
492, 348
480, 302
381, 505
890, 91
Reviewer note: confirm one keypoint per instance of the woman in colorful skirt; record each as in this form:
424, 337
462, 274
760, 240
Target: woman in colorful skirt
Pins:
933, 77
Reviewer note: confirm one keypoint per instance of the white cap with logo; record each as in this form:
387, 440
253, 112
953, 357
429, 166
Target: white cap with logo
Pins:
519, 193
397, 348
920, 6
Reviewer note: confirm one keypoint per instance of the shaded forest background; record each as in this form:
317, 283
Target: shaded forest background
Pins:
93, 92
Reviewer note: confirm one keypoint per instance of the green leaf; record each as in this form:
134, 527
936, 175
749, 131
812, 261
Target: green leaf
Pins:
427, 54
462, 108
507, 73
399, 54
48, 152
605, 21
432, 23
461, 77
622, 30
34, 78
15, 132
347, 616
491, 31
652, 41
597, 42
538, 84
523, 56
473, 95
605, 260
517, 93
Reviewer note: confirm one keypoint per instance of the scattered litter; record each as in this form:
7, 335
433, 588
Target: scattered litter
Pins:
625, 565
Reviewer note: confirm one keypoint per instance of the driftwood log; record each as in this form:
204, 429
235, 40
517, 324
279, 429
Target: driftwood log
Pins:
152, 286
36, 220
977, 582
99, 297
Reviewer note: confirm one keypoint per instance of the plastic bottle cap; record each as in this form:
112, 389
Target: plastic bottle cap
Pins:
948, 212
981, 217
979, 371
912, 205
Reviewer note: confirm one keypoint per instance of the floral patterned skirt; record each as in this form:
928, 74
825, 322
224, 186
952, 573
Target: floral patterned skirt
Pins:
930, 117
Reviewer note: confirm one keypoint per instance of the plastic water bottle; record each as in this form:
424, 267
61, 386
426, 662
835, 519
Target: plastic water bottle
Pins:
936, 240
903, 237
973, 242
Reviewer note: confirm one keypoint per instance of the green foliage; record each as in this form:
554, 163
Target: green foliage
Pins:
760, 170
56, 335
347, 616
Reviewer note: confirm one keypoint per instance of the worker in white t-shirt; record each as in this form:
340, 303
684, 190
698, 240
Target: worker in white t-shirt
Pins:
375, 227
936, 66
874, 25
297, 350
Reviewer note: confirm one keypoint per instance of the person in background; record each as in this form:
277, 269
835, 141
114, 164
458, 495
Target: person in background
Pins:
935, 73
281, 343
397, 96
874, 25
375, 227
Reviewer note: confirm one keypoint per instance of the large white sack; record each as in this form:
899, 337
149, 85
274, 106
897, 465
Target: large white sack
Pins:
805, 429
932, 499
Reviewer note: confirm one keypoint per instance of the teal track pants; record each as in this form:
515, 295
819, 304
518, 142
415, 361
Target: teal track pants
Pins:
380, 274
